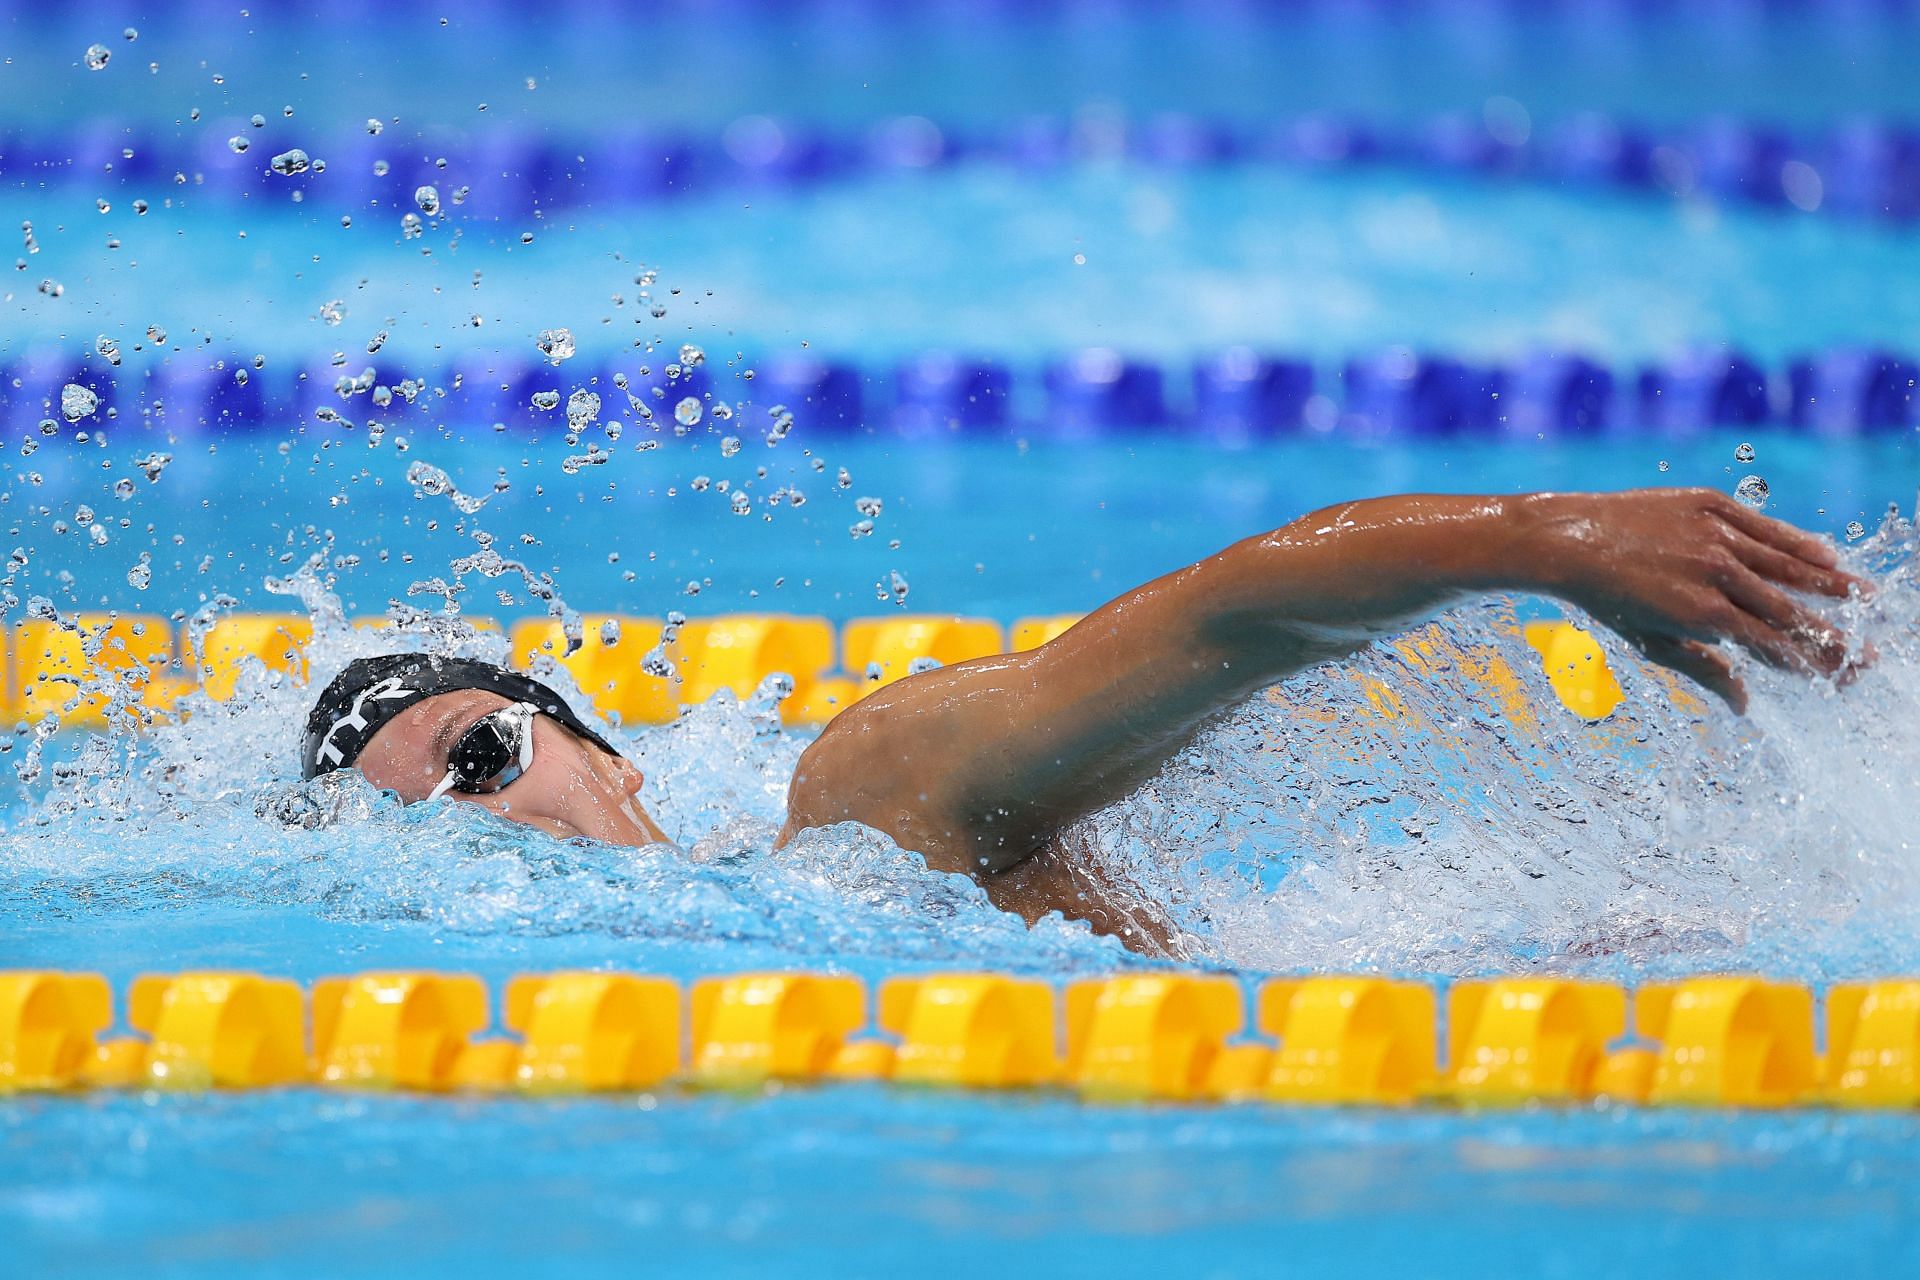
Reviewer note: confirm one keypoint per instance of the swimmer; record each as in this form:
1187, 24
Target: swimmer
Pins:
980, 766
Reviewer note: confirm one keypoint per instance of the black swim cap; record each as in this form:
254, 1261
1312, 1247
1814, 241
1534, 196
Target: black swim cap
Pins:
372, 691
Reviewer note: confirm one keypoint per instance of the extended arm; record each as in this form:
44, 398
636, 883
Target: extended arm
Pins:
979, 764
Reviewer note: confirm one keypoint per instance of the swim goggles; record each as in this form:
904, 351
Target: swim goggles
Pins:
492, 754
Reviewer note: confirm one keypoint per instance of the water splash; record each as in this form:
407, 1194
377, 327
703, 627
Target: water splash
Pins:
1403, 813
1427, 808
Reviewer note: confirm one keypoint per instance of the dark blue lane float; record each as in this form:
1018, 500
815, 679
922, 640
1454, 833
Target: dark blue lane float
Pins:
1240, 395
1093, 392
941, 393
1702, 388
1864, 166
1233, 397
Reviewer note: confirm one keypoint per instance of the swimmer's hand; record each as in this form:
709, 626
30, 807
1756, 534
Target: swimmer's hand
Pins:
1674, 571
980, 765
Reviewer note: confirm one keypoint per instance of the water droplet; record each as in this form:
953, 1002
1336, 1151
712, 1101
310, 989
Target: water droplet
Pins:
257, 120
867, 506
428, 198
123, 488
374, 126
546, 400
290, 162
1665, 465
129, 34
77, 402
237, 144
108, 349
583, 407
860, 528
687, 412
526, 237
156, 335
381, 168
140, 576
1743, 453
334, 312
555, 344
103, 206
741, 504
154, 464
98, 56
411, 227
692, 356
1752, 491
1855, 531
729, 446
141, 206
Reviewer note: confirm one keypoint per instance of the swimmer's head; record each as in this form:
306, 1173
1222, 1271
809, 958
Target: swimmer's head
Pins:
427, 727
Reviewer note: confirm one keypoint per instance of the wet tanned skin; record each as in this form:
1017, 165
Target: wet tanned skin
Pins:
979, 766
573, 788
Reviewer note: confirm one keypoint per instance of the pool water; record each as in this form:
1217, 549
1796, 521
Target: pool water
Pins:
1668, 840
863, 1180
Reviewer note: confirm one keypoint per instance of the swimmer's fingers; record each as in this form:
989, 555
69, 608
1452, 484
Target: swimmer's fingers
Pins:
1794, 541
1778, 629
1795, 573
1704, 665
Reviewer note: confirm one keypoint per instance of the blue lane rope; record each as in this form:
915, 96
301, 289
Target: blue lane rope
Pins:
1232, 396
1867, 166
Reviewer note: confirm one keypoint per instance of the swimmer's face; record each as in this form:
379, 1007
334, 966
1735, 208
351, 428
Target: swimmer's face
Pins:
573, 788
